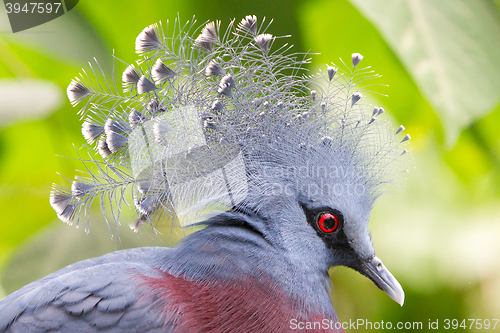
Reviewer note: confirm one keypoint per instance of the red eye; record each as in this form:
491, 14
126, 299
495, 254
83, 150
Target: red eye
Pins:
328, 222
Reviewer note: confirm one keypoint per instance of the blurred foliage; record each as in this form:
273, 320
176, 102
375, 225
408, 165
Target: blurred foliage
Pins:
438, 232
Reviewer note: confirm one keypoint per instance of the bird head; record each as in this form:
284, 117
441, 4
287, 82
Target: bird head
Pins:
315, 182
212, 121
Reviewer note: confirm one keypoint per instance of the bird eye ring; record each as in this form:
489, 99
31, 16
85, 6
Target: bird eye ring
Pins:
328, 222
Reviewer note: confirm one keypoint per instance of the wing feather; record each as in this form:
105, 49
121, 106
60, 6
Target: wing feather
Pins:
101, 294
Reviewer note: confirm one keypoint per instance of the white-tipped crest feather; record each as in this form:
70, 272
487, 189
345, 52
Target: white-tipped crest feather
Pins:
199, 142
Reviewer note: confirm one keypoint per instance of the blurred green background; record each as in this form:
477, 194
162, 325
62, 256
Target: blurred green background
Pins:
438, 232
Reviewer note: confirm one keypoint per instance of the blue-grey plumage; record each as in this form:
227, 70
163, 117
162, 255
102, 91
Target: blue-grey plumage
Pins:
292, 164
111, 293
97, 294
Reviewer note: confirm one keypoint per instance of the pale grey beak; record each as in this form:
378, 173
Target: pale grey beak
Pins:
380, 275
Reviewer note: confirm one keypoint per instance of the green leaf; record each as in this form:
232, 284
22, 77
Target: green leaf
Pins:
347, 32
27, 99
450, 48
69, 38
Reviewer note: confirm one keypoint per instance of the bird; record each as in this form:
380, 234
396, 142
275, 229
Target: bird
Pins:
224, 132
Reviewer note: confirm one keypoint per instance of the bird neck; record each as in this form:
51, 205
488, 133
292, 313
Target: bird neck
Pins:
235, 247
